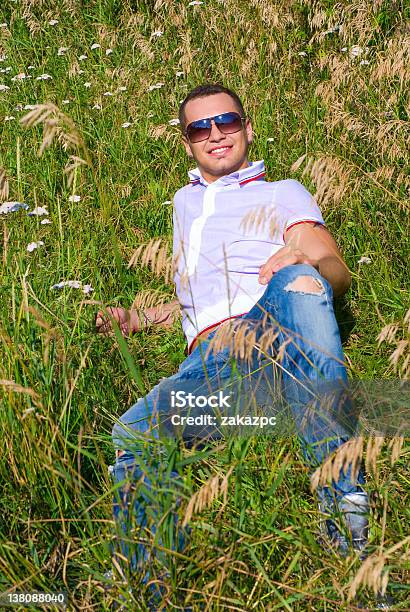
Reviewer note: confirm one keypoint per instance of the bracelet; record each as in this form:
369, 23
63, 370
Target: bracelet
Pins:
164, 317
147, 319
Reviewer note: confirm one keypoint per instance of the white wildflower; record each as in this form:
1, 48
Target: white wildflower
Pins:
28, 411
302, 53
166, 202
81, 72
44, 77
157, 34
108, 93
344, 49
19, 107
4, 87
45, 222
355, 51
30, 67
74, 198
365, 260
34, 245
73, 284
364, 62
87, 289
195, 3
108, 51
174, 122
38, 211
97, 106
53, 22
126, 124
95, 46
270, 140
82, 57
3, 57
8, 207
87, 85
66, 101
62, 50
7, 69
155, 86
9, 118
122, 88
179, 73
3, 25
19, 77
29, 106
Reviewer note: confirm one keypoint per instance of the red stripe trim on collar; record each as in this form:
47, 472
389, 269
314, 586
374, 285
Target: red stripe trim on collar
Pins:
247, 180
252, 178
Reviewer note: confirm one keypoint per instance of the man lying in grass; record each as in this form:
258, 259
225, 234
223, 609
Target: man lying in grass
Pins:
279, 277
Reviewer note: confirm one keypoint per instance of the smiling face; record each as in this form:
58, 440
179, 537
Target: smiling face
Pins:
220, 154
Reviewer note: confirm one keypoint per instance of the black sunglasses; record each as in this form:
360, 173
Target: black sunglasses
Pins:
227, 123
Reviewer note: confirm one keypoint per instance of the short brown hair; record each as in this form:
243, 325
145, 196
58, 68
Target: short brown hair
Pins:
207, 89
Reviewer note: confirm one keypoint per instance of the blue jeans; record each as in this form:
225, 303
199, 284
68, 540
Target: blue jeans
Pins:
311, 359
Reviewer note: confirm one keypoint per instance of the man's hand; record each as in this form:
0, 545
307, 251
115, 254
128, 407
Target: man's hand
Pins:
131, 321
128, 321
286, 256
310, 244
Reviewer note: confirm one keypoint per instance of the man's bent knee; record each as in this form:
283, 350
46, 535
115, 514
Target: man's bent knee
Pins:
306, 284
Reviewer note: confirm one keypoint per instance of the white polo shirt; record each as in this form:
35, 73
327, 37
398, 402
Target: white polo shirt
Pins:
218, 250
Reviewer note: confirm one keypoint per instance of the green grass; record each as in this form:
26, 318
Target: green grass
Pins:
258, 551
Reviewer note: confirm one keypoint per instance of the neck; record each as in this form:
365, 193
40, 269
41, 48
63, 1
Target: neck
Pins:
211, 178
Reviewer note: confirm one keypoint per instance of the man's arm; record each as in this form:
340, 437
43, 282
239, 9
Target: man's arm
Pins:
163, 315
133, 320
311, 244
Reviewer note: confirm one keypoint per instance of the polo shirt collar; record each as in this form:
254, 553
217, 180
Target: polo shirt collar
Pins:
255, 171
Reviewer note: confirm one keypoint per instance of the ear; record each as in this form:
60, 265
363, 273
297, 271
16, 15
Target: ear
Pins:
249, 130
187, 146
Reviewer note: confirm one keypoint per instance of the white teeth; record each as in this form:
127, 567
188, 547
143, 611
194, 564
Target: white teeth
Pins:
219, 150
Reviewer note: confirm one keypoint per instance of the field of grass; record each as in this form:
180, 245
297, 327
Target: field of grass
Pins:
327, 86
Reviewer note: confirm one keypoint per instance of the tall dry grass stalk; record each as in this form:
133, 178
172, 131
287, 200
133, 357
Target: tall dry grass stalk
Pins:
72, 166
28, 13
398, 335
149, 298
239, 336
333, 178
260, 218
10, 385
155, 255
351, 453
362, 94
4, 186
373, 572
207, 494
58, 126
